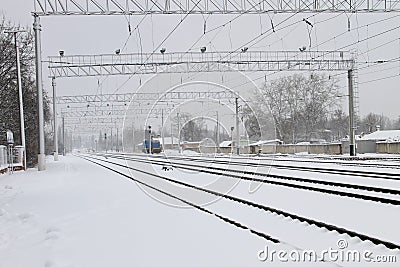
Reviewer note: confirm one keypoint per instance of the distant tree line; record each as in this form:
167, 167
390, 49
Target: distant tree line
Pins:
9, 102
305, 108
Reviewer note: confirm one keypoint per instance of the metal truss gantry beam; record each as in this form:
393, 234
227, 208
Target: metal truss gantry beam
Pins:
118, 106
92, 120
194, 62
137, 98
116, 112
142, 7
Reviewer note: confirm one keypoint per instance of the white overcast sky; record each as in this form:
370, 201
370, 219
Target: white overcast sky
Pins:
104, 34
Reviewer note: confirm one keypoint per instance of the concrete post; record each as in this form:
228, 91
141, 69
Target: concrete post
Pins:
237, 127
218, 149
39, 86
21, 103
55, 137
63, 135
352, 143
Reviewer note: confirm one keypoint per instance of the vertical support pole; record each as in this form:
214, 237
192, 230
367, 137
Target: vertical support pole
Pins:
232, 128
162, 127
105, 140
218, 149
55, 137
237, 127
71, 140
172, 136
11, 159
111, 143
21, 103
150, 141
133, 137
179, 133
39, 86
351, 115
116, 146
63, 135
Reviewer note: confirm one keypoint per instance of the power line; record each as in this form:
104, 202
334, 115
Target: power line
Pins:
380, 79
341, 48
163, 41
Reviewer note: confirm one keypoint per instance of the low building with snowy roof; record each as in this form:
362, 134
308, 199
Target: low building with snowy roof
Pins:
383, 136
368, 143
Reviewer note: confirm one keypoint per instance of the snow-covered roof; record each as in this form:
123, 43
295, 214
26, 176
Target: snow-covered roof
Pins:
383, 135
227, 143
265, 142
192, 142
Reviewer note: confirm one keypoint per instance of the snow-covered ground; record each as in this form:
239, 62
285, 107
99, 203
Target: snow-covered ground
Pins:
79, 214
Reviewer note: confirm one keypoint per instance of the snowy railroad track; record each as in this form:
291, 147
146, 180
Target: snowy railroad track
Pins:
280, 180
225, 219
385, 162
327, 170
268, 209
374, 162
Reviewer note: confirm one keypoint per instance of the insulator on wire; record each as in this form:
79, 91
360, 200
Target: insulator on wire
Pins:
272, 24
309, 23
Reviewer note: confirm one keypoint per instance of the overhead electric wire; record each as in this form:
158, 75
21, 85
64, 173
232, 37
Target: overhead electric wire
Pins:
380, 79
273, 31
247, 44
338, 49
129, 36
206, 32
160, 44
338, 35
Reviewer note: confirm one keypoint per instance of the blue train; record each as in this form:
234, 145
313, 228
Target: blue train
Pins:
156, 146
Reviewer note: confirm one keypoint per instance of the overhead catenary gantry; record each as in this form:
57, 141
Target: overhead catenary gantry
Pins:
148, 104
193, 62
113, 108
141, 7
139, 97
116, 111
92, 120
